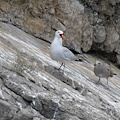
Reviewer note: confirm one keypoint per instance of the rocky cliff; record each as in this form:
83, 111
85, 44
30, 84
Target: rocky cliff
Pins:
89, 25
30, 87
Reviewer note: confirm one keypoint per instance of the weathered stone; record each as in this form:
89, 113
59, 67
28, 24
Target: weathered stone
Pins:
38, 91
106, 8
4, 109
117, 1
113, 2
46, 107
5, 6
117, 49
118, 58
105, 15
23, 114
112, 39
78, 20
39, 18
99, 34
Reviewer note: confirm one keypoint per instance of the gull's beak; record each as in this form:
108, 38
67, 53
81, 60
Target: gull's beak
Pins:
61, 35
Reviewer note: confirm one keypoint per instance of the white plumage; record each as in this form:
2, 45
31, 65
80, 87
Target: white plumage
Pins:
58, 52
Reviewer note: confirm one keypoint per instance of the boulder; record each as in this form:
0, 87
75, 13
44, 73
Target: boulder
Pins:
41, 18
30, 87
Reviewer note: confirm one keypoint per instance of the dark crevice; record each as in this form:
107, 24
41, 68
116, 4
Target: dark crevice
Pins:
42, 39
18, 74
45, 87
104, 56
13, 71
54, 29
29, 102
61, 22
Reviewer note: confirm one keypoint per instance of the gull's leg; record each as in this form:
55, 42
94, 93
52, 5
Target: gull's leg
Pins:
64, 67
60, 66
107, 84
62, 71
98, 81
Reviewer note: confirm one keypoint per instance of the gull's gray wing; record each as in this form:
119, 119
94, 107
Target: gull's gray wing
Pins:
68, 55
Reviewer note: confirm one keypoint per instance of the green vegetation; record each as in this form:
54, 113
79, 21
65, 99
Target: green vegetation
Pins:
21, 66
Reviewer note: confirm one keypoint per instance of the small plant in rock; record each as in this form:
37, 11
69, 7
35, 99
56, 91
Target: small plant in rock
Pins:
21, 66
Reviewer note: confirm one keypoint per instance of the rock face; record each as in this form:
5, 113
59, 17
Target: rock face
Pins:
88, 24
38, 17
104, 17
31, 89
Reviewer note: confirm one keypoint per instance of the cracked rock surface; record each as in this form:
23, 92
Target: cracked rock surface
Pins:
31, 89
89, 25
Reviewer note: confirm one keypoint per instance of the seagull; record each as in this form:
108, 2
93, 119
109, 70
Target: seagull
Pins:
103, 70
58, 52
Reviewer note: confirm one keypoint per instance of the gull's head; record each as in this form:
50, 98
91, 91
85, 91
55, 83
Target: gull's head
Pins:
59, 34
97, 63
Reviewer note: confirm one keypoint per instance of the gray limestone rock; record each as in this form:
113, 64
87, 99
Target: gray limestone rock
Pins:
41, 18
84, 22
99, 34
31, 89
112, 39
